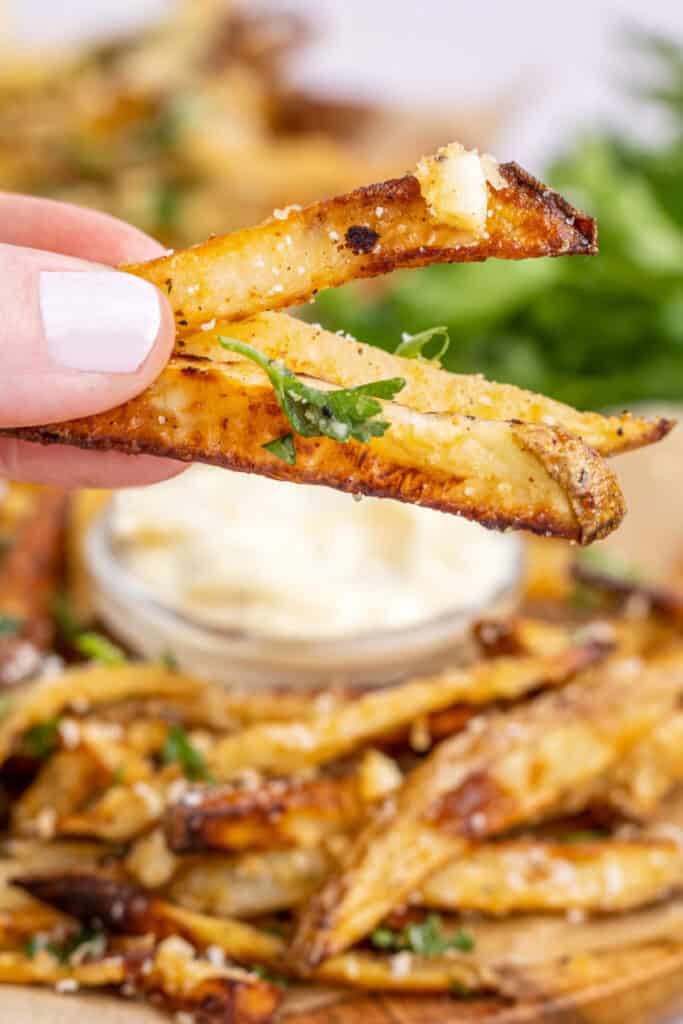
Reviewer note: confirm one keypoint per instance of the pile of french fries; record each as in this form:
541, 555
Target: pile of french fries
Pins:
511, 829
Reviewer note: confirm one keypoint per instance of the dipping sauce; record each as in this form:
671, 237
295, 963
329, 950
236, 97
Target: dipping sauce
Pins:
242, 552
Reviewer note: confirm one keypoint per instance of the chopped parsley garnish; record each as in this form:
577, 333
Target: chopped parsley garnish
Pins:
10, 625
41, 739
283, 448
585, 835
65, 617
426, 938
169, 661
342, 414
65, 950
600, 561
97, 647
412, 346
178, 748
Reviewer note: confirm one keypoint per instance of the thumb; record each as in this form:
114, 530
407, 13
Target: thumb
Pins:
76, 338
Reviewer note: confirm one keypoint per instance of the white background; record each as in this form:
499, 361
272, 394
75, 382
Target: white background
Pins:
557, 63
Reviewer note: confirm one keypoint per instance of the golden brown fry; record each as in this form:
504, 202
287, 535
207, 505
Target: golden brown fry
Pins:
123, 908
171, 976
525, 875
408, 973
84, 507
272, 813
215, 994
43, 969
250, 884
61, 786
275, 812
652, 769
290, 746
28, 583
122, 812
374, 230
513, 876
518, 766
81, 688
309, 350
528, 476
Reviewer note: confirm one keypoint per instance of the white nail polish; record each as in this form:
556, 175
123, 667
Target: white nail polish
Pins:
99, 321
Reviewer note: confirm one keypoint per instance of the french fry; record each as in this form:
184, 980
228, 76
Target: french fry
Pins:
653, 768
309, 350
215, 994
122, 812
519, 766
527, 875
170, 975
373, 230
122, 908
291, 746
502, 474
275, 812
61, 786
250, 884
94, 686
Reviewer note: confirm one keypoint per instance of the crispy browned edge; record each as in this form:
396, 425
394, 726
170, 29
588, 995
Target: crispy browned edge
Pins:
233, 817
593, 493
527, 220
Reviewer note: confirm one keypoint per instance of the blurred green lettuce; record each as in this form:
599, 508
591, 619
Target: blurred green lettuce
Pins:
596, 332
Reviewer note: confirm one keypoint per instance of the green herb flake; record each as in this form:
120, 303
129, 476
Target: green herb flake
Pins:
412, 346
283, 448
63, 951
606, 563
10, 625
42, 739
65, 617
585, 835
178, 748
169, 661
426, 938
343, 414
97, 647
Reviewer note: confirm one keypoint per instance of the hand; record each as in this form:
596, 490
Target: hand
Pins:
76, 337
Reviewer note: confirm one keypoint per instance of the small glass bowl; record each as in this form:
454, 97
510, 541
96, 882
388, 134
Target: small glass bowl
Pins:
249, 660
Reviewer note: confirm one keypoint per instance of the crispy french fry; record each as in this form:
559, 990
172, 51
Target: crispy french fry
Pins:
252, 883
289, 746
531, 875
652, 769
309, 350
121, 907
61, 786
216, 994
374, 230
122, 812
520, 766
528, 476
267, 813
171, 975
84, 687
275, 812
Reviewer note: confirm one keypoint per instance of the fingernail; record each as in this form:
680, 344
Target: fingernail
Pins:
99, 321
